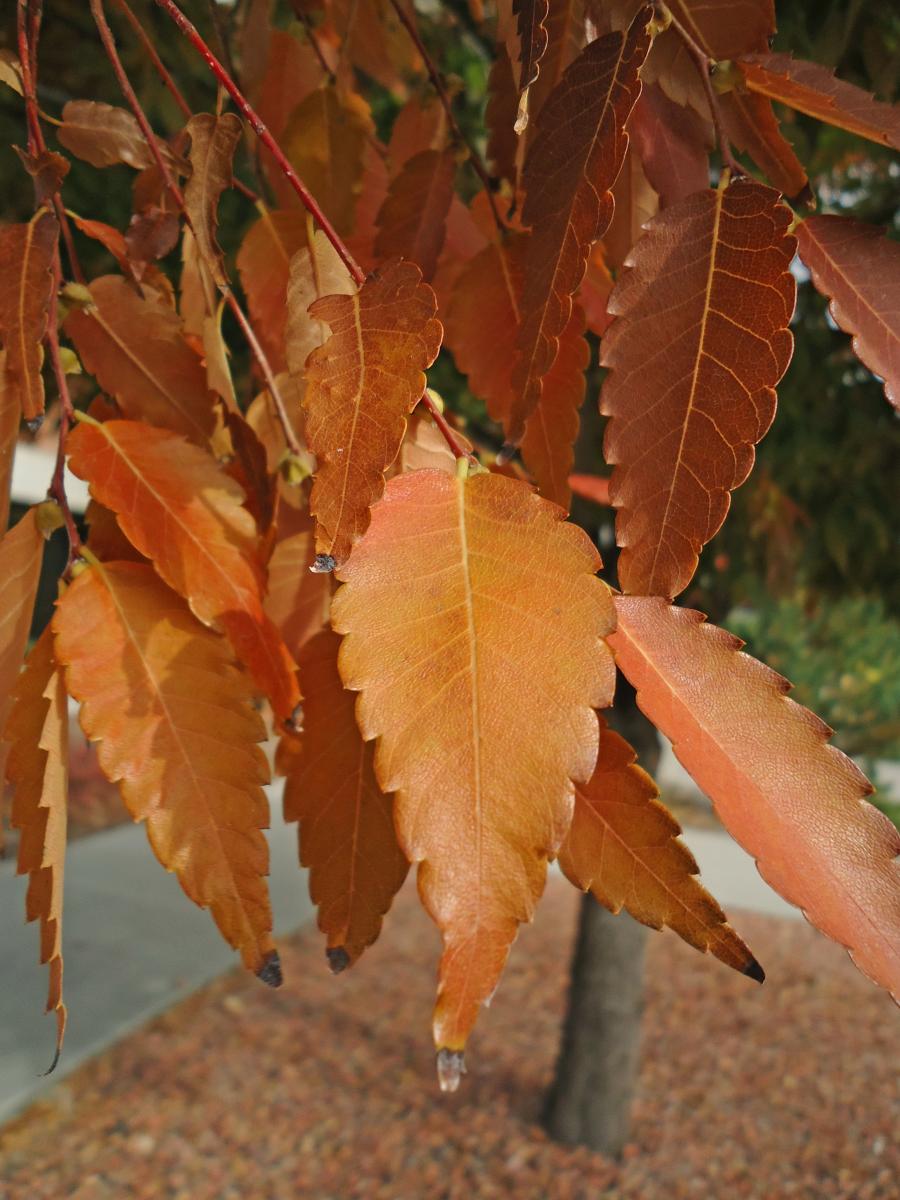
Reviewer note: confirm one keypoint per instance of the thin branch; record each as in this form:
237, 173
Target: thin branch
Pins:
406, 20
57, 487
704, 64
260, 129
169, 82
109, 45
306, 21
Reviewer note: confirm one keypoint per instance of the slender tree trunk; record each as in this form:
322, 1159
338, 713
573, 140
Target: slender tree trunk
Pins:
589, 1102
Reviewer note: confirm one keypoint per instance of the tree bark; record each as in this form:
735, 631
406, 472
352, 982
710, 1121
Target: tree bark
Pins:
590, 1100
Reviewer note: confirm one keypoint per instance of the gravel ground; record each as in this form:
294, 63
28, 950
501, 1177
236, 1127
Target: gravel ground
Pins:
325, 1089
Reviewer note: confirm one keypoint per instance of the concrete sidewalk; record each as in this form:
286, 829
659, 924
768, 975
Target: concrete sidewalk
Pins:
134, 944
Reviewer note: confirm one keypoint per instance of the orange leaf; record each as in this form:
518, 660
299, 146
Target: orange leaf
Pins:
591, 487
21, 555
482, 337
347, 837
421, 124
699, 341
500, 116
298, 599
813, 90
412, 222
37, 768
178, 508
26, 257
672, 145
104, 136
751, 124
325, 139
636, 204
859, 269
530, 17
374, 41
213, 142
176, 730
571, 166
361, 386
623, 846
10, 415
108, 236
791, 800
263, 263
135, 349
473, 617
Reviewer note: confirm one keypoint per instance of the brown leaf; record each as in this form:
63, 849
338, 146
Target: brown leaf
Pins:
530, 18
566, 28
251, 459
362, 384
177, 507
108, 236
104, 136
813, 90
672, 143
176, 730
421, 124
571, 165
151, 234
10, 415
136, 350
374, 41
263, 263
298, 599
444, 593
500, 116
752, 126
21, 555
213, 143
291, 74
412, 222
636, 203
858, 268
47, 171
623, 846
791, 800
325, 138
26, 259
347, 837
37, 769
699, 342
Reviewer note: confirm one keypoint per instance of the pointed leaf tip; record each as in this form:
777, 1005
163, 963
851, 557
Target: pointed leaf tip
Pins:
270, 971
755, 971
338, 959
451, 1066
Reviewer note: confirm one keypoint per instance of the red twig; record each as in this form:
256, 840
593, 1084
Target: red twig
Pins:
406, 20
704, 63
109, 45
259, 128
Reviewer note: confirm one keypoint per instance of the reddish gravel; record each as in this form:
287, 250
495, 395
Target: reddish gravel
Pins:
326, 1088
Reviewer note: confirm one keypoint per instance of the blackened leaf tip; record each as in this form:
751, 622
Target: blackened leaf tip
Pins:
451, 1066
755, 971
338, 959
270, 971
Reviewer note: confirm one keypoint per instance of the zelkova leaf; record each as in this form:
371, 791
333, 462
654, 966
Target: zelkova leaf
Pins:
530, 17
179, 509
26, 257
10, 415
136, 350
176, 730
571, 166
347, 837
298, 598
672, 144
473, 617
316, 270
104, 136
213, 142
699, 340
858, 269
412, 222
623, 846
482, 338
791, 800
814, 90
325, 139
263, 263
21, 555
37, 768
500, 116
361, 386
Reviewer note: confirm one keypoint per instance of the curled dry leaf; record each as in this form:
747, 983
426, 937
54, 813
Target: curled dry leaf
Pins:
699, 340
623, 846
213, 142
412, 222
530, 18
813, 90
347, 837
179, 509
136, 350
362, 384
858, 269
176, 730
325, 139
105, 136
472, 616
316, 270
37, 768
47, 171
570, 169
791, 800
26, 258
